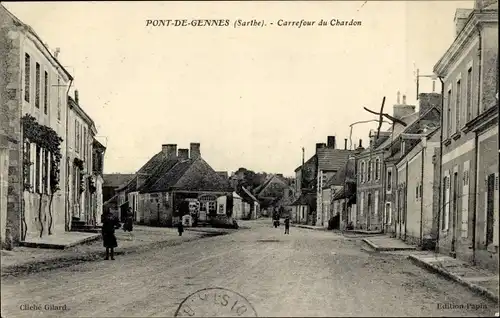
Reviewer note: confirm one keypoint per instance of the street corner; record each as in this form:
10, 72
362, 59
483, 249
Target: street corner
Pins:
215, 302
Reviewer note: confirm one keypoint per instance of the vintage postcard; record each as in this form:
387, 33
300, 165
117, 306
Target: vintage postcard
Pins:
249, 158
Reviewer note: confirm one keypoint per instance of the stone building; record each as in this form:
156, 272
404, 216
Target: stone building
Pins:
403, 140
33, 89
418, 170
330, 160
81, 133
469, 176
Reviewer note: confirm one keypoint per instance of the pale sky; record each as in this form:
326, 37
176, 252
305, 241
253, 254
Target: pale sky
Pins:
253, 97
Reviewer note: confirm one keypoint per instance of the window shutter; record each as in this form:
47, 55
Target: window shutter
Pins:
465, 200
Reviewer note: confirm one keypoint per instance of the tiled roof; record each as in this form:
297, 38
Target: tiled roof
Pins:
187, 175
152, 164
342, 193
162, 168
340, 177
305, 199
116, 180
332, 159
310, 160
166, 176
274, 177
249, 194
201, 177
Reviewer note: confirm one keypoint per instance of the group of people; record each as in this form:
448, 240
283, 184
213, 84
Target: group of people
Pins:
110, 223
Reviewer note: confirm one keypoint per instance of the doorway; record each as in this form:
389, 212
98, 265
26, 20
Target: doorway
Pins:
490, 209
369, 214
454, 212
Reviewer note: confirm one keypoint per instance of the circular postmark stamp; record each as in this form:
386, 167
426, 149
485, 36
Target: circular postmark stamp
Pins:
215, 302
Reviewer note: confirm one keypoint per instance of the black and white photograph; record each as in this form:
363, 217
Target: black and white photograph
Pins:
249, 158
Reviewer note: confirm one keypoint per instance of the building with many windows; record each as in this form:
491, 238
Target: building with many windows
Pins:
469, 71
33, 86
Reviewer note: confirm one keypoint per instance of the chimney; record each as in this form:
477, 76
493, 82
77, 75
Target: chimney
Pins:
404, 99
427, 101
401, 110
170, 151
320, 145
183, 154
360, 143
76, 97
331, 142
461, 17
195, 150
345, 143
56, 52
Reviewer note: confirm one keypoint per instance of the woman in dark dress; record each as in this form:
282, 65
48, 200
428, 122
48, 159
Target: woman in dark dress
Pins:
129, 221
109, 224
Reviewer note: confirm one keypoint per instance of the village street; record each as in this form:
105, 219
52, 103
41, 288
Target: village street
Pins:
306, 273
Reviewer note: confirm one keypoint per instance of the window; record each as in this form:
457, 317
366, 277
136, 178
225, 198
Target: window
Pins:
388, 213
27, 174
45, 93
37, 169
58, 99
368, 177
420, 190
77, 131
448, 114
465, 200
389, 180
457, 105
375, 208
377, 169
417, 194
37, 85
361, 204
468, 115
446, 203
84, 143
27, 77
45, 172
362, 171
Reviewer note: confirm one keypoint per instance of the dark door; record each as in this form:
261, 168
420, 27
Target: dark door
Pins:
490, 208
123, 211
454, 210
369, 214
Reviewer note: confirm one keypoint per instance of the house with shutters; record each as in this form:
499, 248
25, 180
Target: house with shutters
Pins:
173, 184
33, 134
469, 181
271, 193
330, 160
304, 191
339, 195
397, 189
418, 170
370, 184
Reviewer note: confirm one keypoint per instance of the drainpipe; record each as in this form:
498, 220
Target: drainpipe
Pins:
406, 200
424, 147
440, 183
67, 226
476, 150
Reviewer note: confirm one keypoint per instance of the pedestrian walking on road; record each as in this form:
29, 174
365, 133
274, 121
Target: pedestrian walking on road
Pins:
287, 225
180, 226
127, 226
109, 224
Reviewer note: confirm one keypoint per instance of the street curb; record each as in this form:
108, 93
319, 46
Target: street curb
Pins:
309, 228
387, 249
364, 232
69, 260
86, 240
437, 270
